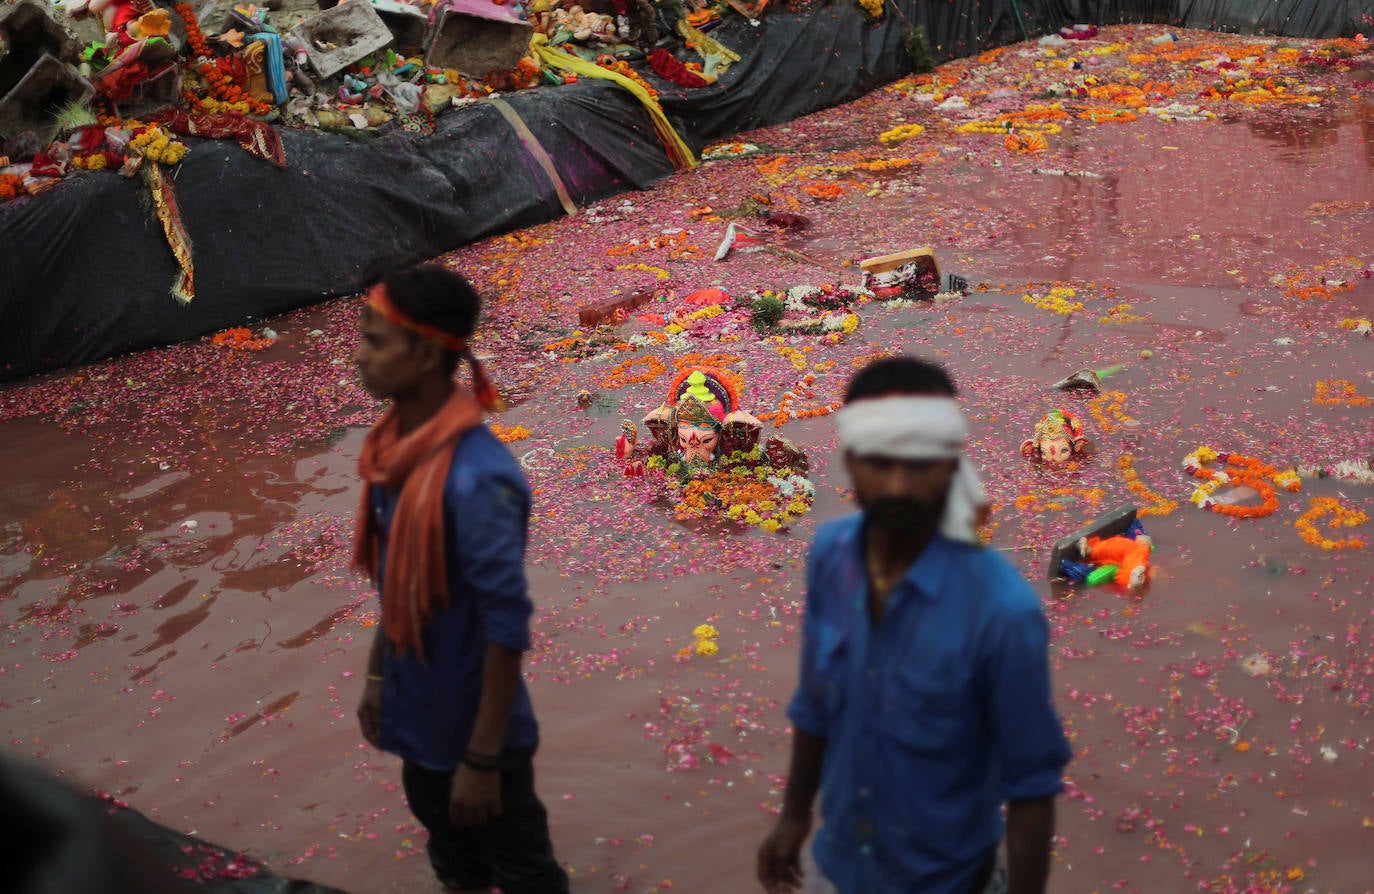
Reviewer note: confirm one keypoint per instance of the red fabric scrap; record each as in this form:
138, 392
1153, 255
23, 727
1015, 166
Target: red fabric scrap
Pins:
670, 68
254, 137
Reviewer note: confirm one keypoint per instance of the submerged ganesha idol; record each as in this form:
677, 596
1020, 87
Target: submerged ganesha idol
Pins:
1058, 438
711, 447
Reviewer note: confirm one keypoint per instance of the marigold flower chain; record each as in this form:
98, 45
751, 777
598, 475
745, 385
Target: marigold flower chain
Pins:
1106, 410
1156, 504
1339, 392
1341, 516
510, 433
1240, 471
620, 374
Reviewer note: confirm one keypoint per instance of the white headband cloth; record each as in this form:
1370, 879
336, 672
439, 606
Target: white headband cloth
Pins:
918, 428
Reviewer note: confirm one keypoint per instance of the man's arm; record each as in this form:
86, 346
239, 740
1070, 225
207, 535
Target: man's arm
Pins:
779, 859
370, 707
500, 686
492, 556
1030, 828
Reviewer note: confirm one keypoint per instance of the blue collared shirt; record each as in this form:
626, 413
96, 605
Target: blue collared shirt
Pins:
933, 717
428, 709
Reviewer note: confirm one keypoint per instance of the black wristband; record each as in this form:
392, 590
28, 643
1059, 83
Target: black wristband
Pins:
482, 756
480, 767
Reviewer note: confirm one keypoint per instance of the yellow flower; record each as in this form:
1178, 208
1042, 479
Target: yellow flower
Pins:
770, 525
705, 631
752, 517
707, 647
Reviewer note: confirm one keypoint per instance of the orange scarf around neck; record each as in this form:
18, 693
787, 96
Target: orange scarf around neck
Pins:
417, 465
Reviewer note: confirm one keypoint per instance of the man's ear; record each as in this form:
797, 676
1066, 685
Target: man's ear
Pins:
429, 355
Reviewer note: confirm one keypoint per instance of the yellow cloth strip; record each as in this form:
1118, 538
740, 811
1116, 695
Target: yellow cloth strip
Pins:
536, 151
678, 152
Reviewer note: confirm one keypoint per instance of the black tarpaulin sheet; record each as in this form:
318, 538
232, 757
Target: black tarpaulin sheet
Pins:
59, 841
85, 270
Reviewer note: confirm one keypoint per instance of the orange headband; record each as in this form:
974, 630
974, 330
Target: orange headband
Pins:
487, 395
380, 301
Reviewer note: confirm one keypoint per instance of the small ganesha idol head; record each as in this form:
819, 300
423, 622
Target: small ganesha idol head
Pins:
1058, 438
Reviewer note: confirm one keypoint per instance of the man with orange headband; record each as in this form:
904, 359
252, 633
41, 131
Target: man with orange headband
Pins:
441, 531
923, 705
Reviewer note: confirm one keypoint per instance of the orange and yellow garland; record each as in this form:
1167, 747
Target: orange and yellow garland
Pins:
1341, 516
1240, 470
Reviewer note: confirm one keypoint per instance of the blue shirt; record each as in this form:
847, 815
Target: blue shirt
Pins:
933, 717
428, 709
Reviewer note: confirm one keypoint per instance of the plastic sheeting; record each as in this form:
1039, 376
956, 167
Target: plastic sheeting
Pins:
85, 270
58, 840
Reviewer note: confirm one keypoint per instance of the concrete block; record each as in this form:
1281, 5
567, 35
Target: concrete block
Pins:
27, 31
408, 24
476, 37
336, 38
34, 102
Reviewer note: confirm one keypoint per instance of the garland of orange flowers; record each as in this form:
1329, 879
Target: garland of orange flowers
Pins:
1342, 516
225, 94
240, 339
1156, 504
1026, 142
621, 67
1240, 470
11, 186
509, 433
824, 191
1108, 402
620, 375
784, 412
1348, 395
1041, 502
694, 359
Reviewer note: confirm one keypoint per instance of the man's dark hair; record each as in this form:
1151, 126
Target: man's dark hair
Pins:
890, 376
438, 297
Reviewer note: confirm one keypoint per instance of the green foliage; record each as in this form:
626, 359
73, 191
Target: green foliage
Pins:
766, 313
918, 48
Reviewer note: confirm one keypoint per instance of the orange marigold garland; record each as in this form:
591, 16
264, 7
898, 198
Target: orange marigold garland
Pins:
1155, 503
240, 339
1339, 392
226, 95
11, 186
1240, 471
621, 375
784, 413
1341, 516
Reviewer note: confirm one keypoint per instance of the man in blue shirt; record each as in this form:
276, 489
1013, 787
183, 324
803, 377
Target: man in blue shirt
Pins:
442, 527
923, 704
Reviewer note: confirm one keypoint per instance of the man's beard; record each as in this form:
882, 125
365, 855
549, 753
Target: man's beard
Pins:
898, 514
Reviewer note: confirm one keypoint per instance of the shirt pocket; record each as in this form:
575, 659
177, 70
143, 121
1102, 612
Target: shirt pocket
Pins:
927, 715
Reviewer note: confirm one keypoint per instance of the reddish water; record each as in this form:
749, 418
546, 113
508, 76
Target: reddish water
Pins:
180, 629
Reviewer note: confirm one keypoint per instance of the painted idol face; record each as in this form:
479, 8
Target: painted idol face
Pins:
697, 442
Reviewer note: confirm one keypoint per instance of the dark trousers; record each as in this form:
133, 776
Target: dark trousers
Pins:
512, 852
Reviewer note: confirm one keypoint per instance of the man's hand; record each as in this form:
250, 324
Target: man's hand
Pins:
370, 713
475, 798
779, 862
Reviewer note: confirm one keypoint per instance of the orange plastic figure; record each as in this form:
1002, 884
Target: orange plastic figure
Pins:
1131, 557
